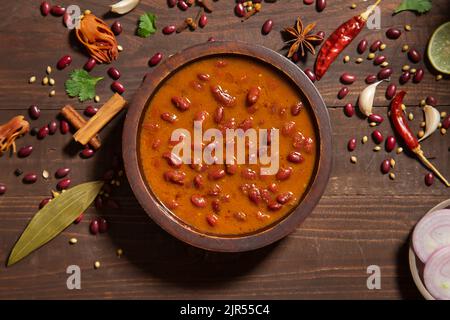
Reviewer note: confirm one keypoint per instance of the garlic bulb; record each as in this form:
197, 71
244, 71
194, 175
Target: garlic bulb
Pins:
366, 97
432, 118
124, 6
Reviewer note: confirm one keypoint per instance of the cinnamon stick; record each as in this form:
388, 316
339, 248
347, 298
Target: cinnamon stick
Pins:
108, 111
77, 121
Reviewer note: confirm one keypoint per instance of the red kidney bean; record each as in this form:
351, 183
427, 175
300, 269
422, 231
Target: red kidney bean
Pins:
102, 225
429, 179
52, 127
25, 151
253, 95
414, 55
34, 112
212, 219
295, 157
79, 219
198, 181
295, 57
267, 27
157, 57
203, 76
239, 10
64, 126
390, 91
202, 21
446, 122
181, 103
376, 118
43, 132
175, 176
308, 2
385, 166
349, 110
404, 78
310, 74
377, 136
254, 195
215, 191
215, 205
116, 86
90, 64
198, 201
393, 33
211, 39
371, 78
274, 206
57, 11
67, 18
249, 174
362, 46
320, 5
201, 116
321, 35
114, 73
418, 76
283, 198
63, 184
216, 173
62, 172
45, 8
390, 143
375, 45
351, 145
90, 111
2, 189
431, 101
385, 73
169, 29
218, 114
108, 175
288, 128
284, 173
246, 124
87, 153
116, 27
183, 5
30, 178
98, 202
223, 96
169, 117
172, 3
379, 60
342, 93
64, 62
231, 169
296, 108
94, 226
44, 202
347, 78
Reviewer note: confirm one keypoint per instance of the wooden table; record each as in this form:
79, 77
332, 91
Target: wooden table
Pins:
363, 219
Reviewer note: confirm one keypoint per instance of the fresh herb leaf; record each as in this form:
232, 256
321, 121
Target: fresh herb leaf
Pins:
420, 6
52, 219
147, 25
81, 85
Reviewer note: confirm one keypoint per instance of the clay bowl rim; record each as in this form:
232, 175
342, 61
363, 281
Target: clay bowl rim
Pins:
160, 214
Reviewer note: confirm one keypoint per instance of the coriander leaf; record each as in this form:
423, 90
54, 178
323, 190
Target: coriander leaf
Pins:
147, 25
420, 6
81, 85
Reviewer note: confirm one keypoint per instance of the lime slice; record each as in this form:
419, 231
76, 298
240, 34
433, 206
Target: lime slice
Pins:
439, 48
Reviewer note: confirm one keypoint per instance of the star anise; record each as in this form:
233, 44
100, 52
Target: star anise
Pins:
303, 38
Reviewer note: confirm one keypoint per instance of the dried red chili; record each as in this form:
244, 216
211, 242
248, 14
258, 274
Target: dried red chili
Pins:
339, 40
402, 128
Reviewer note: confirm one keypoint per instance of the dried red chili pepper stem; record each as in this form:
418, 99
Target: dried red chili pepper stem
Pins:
402, 128
339, 40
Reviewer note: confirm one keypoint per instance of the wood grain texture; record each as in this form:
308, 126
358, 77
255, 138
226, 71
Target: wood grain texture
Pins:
363, 219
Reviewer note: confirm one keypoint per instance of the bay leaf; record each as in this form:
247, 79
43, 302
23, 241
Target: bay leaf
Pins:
53, 218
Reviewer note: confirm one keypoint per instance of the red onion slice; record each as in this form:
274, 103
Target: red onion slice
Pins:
437, 274
431, 233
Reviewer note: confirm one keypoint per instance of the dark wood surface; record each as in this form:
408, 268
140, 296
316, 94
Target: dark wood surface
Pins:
363, 219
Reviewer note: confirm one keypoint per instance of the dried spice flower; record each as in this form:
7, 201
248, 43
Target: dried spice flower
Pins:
98, 39
303, 38
10, 131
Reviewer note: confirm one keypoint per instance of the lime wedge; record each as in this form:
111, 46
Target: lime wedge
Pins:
439, 48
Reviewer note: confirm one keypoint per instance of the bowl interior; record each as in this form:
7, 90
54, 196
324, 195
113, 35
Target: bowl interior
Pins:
162, 215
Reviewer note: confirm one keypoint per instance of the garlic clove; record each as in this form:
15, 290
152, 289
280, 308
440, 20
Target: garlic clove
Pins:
366, 97
124, 6
432, 119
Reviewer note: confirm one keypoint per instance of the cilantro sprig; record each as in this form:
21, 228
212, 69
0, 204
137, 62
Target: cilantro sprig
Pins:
81, 85
419, 6
147, 25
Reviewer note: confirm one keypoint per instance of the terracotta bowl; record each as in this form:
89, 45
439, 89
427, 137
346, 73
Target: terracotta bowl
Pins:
168, 221
416, 266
